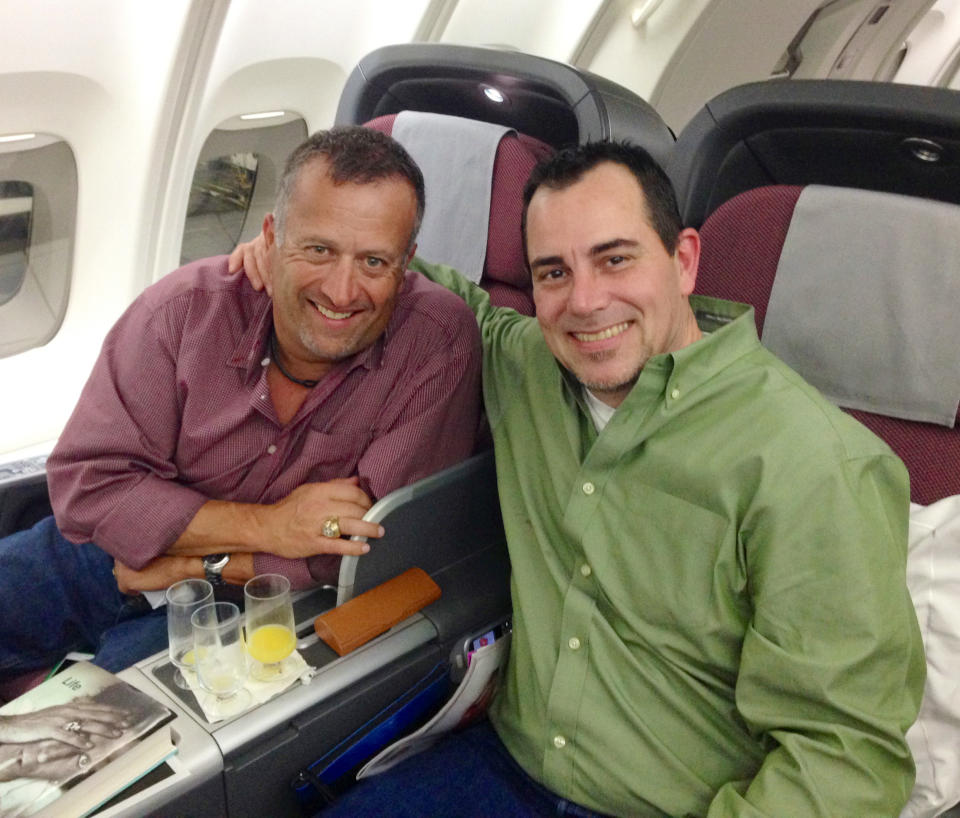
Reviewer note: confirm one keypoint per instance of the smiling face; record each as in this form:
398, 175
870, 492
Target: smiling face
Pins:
336, 272
608, 294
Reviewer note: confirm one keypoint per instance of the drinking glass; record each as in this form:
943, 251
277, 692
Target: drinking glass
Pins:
183, 598
271, 636
219, 656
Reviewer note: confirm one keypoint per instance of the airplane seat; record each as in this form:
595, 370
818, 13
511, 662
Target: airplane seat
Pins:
869, 135
548, 100
24, 498
743, 241
743, 162
504, 273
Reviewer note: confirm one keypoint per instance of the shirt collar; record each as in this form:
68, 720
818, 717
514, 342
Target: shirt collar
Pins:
729, 332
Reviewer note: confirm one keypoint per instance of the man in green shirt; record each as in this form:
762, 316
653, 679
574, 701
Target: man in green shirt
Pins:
709, 600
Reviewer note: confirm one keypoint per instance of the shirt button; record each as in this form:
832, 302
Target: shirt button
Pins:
263, 397
588, 488
265, 362
559, 742
271, 449
675, 394
586, 570
574, 643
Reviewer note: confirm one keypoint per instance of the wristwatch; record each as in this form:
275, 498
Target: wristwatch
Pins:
213, 565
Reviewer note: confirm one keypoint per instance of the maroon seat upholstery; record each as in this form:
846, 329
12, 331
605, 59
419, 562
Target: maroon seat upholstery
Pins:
742, 241
504, 273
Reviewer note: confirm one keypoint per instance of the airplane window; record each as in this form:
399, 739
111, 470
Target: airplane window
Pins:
16, 208
38, 211
235, 180
219, 201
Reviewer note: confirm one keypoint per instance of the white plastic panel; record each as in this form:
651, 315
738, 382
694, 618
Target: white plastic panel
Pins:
857, 39
933, 47
547, 28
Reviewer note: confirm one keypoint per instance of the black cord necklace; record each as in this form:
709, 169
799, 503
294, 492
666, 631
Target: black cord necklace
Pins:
276, 359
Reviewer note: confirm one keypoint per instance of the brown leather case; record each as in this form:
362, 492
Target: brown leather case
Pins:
377, 610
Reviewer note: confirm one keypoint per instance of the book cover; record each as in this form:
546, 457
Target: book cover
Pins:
76, 740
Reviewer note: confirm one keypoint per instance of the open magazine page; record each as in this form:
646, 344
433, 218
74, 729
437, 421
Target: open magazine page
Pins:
468, 702
83, 702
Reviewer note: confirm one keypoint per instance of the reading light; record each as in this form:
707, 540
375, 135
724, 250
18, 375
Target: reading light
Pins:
17, 137
925, 150
263, 115
494, 94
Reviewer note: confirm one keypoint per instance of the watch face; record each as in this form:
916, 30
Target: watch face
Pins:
215, 562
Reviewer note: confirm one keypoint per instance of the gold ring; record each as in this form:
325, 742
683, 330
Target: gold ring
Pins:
331, 528
72, 727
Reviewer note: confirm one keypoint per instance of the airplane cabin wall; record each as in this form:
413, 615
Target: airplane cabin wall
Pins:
91, 74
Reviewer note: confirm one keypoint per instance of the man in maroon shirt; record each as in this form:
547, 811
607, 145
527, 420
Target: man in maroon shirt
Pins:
227, 424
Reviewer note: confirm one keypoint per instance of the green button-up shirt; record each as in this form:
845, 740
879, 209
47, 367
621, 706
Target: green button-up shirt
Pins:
710, 608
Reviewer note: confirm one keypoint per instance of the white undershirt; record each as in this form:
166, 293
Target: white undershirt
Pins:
600, 412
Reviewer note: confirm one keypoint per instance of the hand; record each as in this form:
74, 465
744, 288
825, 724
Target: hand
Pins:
47, 760
252, 256
293, 525
91, 719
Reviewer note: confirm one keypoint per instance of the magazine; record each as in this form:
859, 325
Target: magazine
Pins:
468, 702
75, 741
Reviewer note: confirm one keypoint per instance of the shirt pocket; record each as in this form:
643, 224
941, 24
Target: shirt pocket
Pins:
326, 456
670, 565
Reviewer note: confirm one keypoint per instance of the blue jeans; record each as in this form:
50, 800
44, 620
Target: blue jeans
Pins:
57, 597
469, 774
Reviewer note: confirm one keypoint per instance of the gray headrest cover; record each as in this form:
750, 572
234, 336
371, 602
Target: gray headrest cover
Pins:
864, 304
456, 156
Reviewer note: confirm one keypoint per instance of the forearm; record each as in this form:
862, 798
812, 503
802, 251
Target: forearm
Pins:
165, 571
475, 296
220, 526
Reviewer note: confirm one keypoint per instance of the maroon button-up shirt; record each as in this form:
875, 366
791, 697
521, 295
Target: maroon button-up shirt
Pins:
177, 411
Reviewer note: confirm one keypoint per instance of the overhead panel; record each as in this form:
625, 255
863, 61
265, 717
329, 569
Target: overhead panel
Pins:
731, 42
547, 28
932, 49
853, 39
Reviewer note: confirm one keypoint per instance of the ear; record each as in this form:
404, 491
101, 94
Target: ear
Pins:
410, 254
687, 258
269, 231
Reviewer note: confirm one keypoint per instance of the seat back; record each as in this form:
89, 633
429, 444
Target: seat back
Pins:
556, 103
743, 249
868, 135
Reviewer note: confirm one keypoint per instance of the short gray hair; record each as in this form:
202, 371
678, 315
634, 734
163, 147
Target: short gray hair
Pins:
353, 154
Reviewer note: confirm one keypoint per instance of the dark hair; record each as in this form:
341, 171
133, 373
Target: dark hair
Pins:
567, 167
354, 154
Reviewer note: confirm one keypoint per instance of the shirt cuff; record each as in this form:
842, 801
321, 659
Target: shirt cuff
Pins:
147, 520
